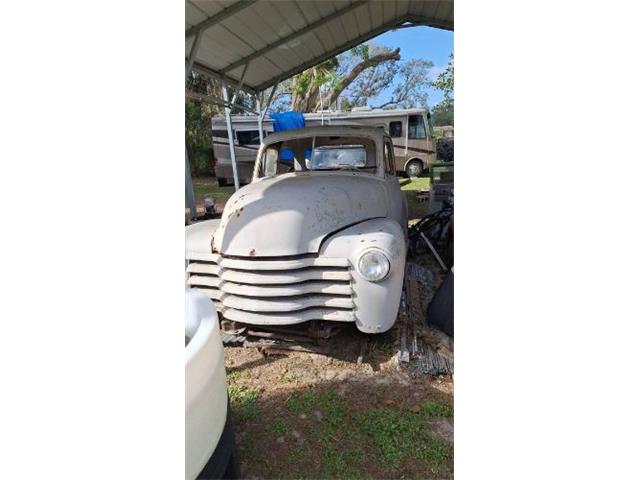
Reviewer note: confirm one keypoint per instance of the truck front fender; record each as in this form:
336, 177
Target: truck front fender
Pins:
376, 303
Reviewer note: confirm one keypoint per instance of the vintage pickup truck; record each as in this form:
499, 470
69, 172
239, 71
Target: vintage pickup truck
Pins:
319, 234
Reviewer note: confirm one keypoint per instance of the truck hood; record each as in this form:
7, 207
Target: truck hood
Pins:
291, 214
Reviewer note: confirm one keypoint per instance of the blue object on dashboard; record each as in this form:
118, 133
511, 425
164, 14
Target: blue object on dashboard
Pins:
287, 121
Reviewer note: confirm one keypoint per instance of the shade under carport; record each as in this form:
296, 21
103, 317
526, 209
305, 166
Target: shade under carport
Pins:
261, 42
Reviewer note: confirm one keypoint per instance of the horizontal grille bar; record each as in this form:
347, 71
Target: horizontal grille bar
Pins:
262, 264
290, 318
284, 304
204, 280
285, 276
274, 291
286, 290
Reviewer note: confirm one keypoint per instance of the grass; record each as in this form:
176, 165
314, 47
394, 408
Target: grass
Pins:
328, 435
244, 402
208, 186
435, 409
279, 426
410, 187
402, 434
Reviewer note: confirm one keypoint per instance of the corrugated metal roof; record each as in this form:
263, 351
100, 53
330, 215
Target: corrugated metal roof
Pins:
280, 38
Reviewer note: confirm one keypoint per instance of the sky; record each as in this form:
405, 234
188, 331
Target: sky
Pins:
419, 42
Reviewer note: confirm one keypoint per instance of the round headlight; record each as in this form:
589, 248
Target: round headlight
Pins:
373, 265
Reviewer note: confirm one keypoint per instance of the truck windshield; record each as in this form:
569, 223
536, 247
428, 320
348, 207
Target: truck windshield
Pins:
318, 153
337, 156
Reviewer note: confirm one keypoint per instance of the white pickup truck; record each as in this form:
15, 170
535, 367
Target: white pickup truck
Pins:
319, 234
209, 436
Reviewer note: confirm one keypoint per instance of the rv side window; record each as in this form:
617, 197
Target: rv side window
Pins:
416, 127
395, 129
220, 133
248, 137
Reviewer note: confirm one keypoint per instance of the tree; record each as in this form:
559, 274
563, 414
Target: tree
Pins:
371, 81
410, 88
443, 112
356, 78
198, 123
306, 86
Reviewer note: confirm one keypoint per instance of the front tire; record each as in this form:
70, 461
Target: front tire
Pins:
222, 182
414, 168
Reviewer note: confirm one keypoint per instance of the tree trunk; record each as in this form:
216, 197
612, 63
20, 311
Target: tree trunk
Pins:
345, 81
309, 101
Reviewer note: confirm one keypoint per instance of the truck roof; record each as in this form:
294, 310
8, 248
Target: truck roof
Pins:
340, 131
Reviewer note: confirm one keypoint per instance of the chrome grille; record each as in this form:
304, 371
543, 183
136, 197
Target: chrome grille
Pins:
274, 290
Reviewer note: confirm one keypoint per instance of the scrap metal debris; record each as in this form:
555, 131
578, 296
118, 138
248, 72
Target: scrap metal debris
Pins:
429, 351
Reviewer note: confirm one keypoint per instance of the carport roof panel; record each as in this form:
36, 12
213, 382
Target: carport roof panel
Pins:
280, 38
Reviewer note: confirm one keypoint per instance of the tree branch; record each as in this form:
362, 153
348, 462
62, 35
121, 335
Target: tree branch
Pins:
345, 81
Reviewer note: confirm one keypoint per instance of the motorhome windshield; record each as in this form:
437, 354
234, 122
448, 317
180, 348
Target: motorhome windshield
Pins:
318, 153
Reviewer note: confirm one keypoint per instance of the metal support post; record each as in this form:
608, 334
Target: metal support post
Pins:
260, 131
232, 149
262, 113
188, 187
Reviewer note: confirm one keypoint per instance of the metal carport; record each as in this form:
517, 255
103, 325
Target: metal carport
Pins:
252, 45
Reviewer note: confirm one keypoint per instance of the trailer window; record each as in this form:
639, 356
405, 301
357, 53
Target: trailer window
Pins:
416, 127
220, 133
248, 137
395, 129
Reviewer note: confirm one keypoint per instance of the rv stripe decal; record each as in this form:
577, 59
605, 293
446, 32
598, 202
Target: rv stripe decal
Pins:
414, 149
215, 142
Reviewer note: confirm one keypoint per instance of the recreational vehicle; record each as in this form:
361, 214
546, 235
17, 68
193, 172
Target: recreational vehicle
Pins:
410, 130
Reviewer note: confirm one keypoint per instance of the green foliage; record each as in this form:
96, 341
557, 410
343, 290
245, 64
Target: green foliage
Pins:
361, 51
198, 138
196, 125
328, 402
244, 402
301, 402
401, 434
339, 436
444, 81
408, 78
435, 409
279, 426
442, 113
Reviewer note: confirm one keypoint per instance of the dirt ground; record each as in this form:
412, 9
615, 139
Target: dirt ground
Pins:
308, 415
